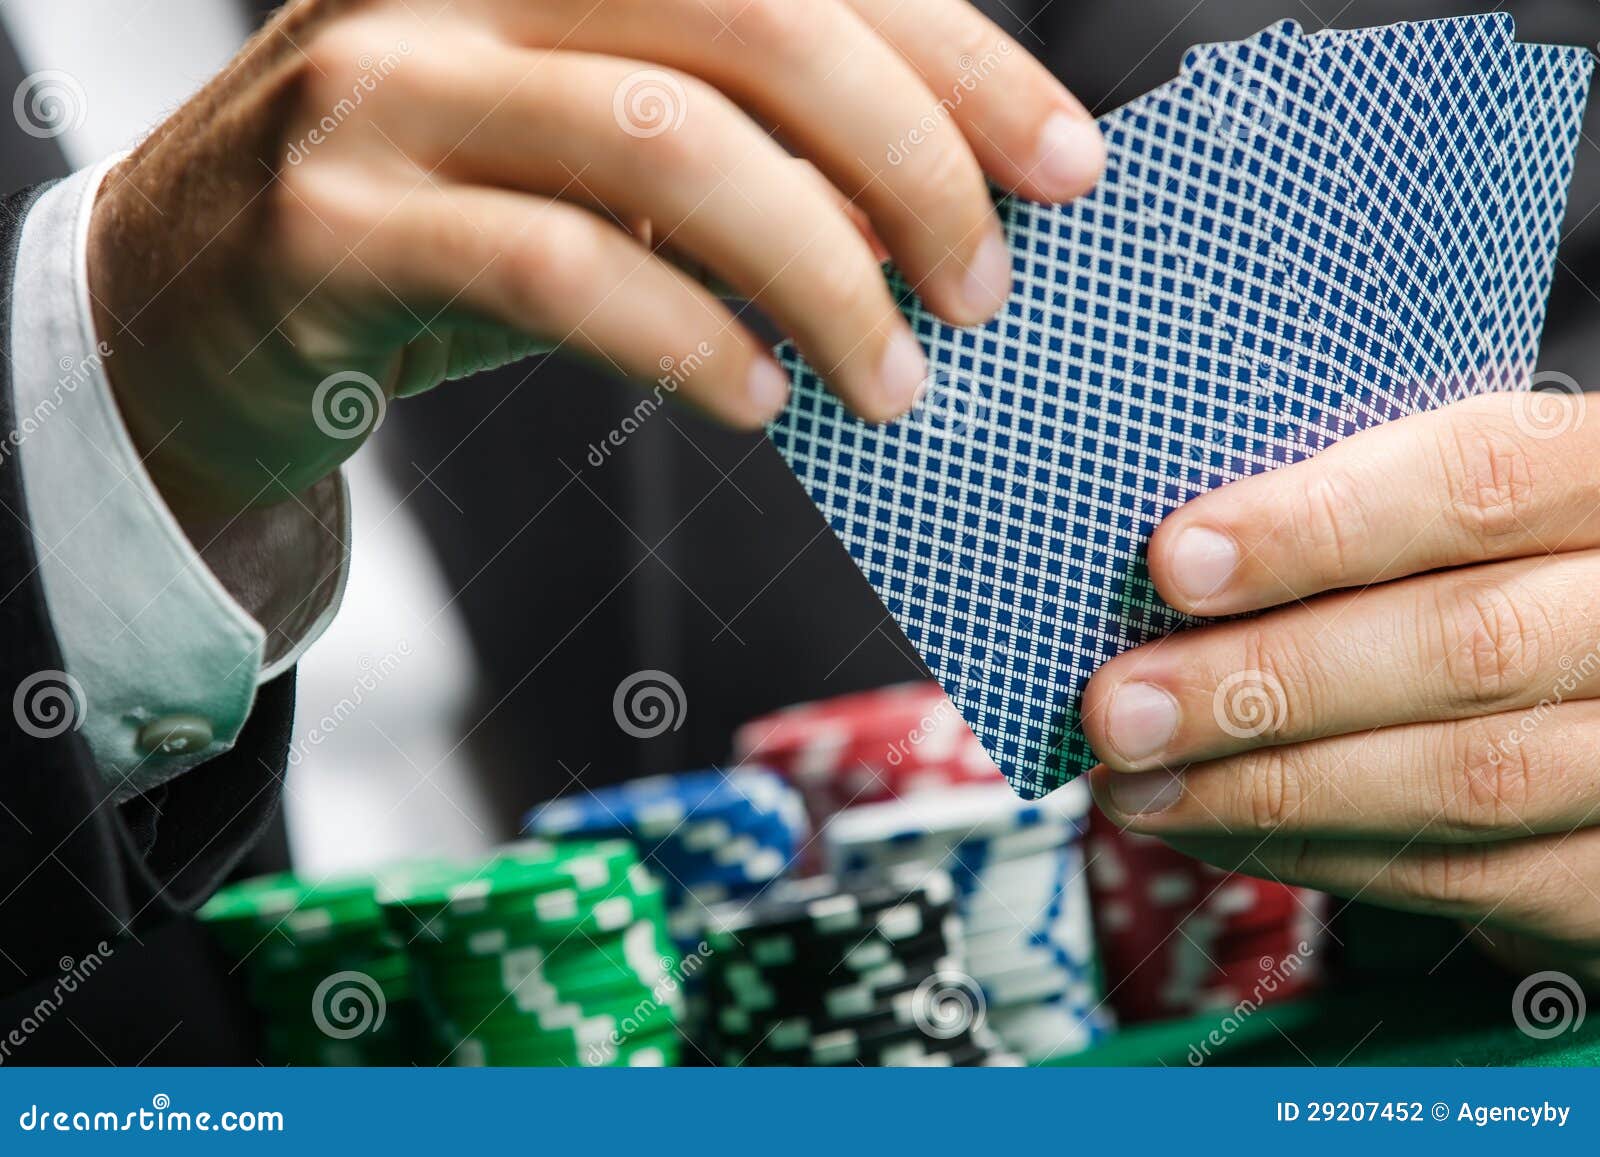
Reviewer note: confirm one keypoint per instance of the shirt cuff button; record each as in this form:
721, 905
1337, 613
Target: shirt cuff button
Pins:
174, 735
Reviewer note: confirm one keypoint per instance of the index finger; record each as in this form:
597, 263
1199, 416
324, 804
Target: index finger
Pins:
1496, 477
1028, 132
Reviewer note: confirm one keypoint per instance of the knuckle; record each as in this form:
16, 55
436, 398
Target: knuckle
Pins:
847, 290
948, 183
330, 60
556, 263
1491, 644
1331, 521
782, 28
1492, 482
1487, 783
1451, 876
1271, 792
977, 46
1275, 695
314, 213
688, 152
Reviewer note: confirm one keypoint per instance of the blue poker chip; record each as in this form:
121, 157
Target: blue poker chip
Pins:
712, 837
657, 807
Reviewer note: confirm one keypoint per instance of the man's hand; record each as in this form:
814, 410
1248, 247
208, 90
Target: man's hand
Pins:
395, 192
1429, 742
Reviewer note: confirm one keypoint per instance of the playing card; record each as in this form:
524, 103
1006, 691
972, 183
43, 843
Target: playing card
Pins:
1222, 304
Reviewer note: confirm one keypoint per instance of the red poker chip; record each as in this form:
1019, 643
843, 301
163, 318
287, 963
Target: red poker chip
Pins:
1177, 936
878, 713
867, 747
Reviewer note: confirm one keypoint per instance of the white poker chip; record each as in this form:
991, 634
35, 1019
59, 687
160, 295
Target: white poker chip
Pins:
957, 814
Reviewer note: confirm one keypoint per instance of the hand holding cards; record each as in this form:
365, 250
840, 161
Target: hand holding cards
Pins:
1299, 237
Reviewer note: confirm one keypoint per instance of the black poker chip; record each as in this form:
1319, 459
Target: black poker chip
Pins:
838, 971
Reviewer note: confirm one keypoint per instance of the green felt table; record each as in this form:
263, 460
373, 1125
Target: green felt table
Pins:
1406, 993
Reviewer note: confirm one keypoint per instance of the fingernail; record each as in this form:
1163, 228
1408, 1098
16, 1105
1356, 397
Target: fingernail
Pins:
902, 372
1144, 793
768, 386
1071, 156
1202, 562
988, 282
1141, 720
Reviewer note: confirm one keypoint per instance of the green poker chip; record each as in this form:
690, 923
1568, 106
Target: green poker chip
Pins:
649, 1050
389, 976
285, 912
508, 885
546, 954
626, 1012
636, 952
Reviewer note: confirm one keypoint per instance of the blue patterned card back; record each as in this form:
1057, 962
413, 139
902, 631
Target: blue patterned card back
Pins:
1004, 521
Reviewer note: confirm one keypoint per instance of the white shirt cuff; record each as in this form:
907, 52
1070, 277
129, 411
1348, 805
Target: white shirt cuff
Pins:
164, 645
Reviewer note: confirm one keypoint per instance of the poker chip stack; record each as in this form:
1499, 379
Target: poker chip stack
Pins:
861, 748
710, 836
857, 970
1177, 936
332, 984
548, 954
1022, 895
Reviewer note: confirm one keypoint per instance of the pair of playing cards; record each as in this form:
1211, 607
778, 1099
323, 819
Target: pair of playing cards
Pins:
1301, 235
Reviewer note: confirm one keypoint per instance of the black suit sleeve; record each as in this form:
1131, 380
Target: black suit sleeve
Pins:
75, 867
